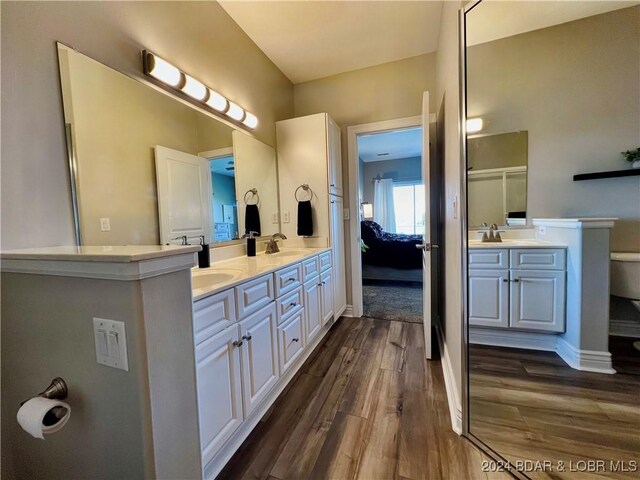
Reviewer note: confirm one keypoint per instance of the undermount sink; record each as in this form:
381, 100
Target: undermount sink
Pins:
209, 279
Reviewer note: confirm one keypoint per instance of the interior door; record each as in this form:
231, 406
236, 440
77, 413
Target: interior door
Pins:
184, 195
426, 244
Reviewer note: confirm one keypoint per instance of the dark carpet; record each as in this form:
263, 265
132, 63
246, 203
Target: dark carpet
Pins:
390, 300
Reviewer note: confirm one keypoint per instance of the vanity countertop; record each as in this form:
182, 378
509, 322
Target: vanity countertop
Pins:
229, 273
515, 243
113, 254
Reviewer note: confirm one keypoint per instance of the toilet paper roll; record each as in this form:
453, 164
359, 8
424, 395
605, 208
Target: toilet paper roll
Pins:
31, 416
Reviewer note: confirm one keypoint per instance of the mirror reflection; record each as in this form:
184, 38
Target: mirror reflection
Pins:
553, 359
150, 168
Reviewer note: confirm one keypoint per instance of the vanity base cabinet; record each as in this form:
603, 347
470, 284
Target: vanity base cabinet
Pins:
326, 296
219, 390
537, 300
312, 309
489, 298
260, 370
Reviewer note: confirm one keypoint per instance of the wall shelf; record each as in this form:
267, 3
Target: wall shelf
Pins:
610, 174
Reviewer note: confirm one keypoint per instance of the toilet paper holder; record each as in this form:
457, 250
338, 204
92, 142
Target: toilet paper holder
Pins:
57, 390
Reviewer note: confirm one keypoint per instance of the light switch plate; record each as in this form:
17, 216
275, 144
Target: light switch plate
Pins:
345, 214
111, 343
286, 218
105, 224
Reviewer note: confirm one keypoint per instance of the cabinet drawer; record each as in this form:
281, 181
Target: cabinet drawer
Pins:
288, 279
539, 258
325, 261
213, 314
290, 338
488, 258
288, 304
310, 268
253, 295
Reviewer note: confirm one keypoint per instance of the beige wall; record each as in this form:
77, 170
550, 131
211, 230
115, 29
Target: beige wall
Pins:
574, 87
497, 151
383, 92
448, 83
198, 36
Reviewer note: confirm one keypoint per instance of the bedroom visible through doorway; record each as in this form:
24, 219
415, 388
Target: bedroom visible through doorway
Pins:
392, 223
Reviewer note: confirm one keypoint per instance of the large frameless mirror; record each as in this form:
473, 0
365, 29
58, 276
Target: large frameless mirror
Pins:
557, 88
148, 168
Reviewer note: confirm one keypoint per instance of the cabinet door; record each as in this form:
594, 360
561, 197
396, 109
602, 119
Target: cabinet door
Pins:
488, 298
219, 390
334, 150
538, 300
290, 338
326, 295
259, 356
337, 253
312, 308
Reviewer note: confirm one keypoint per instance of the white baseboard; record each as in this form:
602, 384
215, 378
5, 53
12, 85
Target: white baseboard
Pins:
348, 312
513, 339
453, 396
586, 360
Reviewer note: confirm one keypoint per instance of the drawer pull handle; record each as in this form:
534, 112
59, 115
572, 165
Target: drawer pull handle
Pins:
295, 339
237, 343
517, 280
291, 305
290, 279
246, 337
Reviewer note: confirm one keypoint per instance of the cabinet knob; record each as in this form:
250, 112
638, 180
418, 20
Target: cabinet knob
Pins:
246, 337
295, 339
333, 184
291, 305
517, 280
505, 280
237, 343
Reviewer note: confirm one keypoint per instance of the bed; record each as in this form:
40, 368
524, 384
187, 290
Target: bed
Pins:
389, 249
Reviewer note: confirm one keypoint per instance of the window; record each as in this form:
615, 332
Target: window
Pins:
408, 201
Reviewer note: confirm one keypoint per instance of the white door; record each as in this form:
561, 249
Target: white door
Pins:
219, 390
538, 300
426, 244
260, 369
326, 280
489, 298
184, 195
312, 308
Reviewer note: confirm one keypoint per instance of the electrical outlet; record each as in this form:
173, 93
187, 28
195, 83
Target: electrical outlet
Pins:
345, 214
105, 224
454, 205
286, 218
542, 230
274, 218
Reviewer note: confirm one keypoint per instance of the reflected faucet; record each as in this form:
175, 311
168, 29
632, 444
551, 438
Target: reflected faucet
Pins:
494, 235
272, 246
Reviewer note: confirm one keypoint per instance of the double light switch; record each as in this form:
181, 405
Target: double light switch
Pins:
111, 343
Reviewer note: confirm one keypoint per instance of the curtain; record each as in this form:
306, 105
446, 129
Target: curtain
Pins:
383, 208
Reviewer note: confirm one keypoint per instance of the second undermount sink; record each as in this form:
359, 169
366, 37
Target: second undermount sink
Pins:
288, 253
210, 279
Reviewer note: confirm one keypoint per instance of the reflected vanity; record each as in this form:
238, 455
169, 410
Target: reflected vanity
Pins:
148, 169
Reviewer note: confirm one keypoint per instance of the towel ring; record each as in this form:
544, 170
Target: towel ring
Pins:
254, 191
306, 188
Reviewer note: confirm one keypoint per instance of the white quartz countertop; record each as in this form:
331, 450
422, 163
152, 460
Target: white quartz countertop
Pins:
114, 254
229, 273
514, 243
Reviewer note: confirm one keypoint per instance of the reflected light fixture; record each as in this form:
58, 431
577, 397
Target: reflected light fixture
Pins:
367, 210
170, 75
474, 125
194, 88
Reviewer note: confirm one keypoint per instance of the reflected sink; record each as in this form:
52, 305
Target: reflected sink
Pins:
210, 279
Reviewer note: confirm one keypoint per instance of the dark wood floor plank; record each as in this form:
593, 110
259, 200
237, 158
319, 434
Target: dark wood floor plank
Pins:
394, 349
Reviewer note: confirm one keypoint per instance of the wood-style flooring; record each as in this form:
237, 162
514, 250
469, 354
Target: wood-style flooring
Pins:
530, 405
366, 405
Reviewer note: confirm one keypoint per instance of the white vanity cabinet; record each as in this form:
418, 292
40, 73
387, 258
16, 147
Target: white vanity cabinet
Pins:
519, 288
250, 340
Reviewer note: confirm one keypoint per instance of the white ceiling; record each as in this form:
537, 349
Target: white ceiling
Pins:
492, 20
308, 40
220, 165
397, 144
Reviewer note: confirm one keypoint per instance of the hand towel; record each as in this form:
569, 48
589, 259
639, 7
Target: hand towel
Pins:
252, 219
305, 219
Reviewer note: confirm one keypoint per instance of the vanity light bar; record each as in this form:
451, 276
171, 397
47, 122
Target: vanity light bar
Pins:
172, 76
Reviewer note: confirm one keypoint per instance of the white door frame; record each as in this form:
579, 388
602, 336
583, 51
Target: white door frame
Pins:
354, 206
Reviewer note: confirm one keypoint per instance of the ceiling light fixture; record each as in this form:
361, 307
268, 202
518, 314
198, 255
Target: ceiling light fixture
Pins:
170, 75
474, 125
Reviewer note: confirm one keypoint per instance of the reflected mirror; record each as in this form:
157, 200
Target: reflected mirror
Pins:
149, 168
552, 316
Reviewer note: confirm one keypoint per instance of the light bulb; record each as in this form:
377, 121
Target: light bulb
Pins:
217, 101
250, 120
163, 70
235, 111
194, 88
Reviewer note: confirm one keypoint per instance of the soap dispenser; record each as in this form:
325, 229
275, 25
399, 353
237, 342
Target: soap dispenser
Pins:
251, 244
204, 258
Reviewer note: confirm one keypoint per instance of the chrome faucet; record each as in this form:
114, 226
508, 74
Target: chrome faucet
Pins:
494, 235
272, 246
